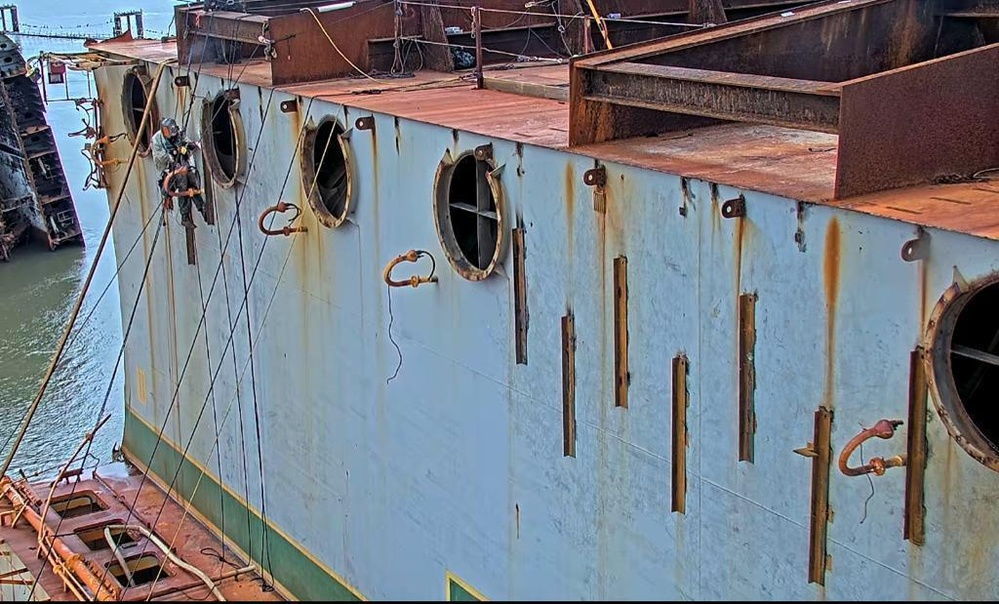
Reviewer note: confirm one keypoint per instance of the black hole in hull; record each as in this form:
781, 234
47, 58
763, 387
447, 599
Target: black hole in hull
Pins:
977, 328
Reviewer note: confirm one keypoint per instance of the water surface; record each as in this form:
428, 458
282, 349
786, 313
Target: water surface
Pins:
38, 288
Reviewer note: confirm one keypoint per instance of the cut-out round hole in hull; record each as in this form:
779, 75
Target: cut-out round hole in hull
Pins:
963, 367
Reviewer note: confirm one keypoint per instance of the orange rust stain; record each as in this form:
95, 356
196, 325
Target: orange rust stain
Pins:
296, 122
616, 213
570, 219
715, 210
831, 272
374, 157
740, 236
570, 190
831, 266
924, 271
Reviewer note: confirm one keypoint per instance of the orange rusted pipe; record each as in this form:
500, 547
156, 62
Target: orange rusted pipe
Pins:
71, 560
281, 207
877, 465
415, 280
166, 185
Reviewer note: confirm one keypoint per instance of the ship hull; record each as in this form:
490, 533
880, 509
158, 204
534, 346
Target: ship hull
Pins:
35, 198
440, 466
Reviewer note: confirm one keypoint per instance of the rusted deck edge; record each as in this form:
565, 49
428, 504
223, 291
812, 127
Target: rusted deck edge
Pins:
763, 159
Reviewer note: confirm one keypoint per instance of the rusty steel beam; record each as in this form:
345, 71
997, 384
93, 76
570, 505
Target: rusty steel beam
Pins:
622, 377
747, 377
568, 385
730, 31
820, 451
727, 96
949, 105
914, 517
521, 315
225, 25
707, 11
679, 439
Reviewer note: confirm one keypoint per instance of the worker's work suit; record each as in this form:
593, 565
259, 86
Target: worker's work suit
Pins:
166, 158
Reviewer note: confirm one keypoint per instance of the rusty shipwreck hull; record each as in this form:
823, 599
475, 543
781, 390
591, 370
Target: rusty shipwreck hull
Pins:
35, 199
644, 391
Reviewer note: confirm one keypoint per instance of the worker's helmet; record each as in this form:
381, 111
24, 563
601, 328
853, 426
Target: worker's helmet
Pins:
170, 127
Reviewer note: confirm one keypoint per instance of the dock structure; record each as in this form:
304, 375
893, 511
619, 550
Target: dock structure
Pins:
120, 22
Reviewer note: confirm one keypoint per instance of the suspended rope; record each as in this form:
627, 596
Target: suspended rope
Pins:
60, 348
174, 398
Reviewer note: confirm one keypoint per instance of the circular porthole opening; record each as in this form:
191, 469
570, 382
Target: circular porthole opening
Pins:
135, 95
469, 215
326, 175
222, 134
964, 358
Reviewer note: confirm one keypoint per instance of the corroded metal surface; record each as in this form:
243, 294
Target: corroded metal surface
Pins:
948, 125
888, 76
34, 194
372, 416
121, 501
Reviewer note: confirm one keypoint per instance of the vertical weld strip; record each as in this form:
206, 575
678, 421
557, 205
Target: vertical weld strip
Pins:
747, 376
520, 294
209, 189
820, 496
914, 528
680, 434
192, 249
568, 386
622, 376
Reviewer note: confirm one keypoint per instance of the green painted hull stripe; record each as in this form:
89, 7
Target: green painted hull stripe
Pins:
289, 566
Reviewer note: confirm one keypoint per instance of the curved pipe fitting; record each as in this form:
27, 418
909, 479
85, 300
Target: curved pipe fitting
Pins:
280, 208
877, 465
166, 185
415, 280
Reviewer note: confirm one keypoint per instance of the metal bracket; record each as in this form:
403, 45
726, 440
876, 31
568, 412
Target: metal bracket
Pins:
289, 106
182, 81
918, 248
734, 208
819, 449
484, 152
597, 177
365, 123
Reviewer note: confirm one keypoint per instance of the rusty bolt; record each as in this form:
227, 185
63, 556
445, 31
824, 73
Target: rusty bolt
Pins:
365, 123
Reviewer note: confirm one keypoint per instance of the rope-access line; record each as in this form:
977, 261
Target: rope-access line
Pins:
60, 348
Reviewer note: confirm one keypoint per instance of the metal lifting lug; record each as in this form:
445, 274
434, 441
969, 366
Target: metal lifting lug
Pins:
415, 280
280, 208
597, 177
877, 465
734, 208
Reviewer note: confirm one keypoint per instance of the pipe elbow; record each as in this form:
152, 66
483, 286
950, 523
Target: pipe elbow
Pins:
279, 208
877, 465
415, 280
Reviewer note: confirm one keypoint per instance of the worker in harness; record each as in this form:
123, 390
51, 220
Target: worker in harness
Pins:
178, 174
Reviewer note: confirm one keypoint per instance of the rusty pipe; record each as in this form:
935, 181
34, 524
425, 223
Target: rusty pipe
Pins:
877, 465
415, 280
280, 208
166, 185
